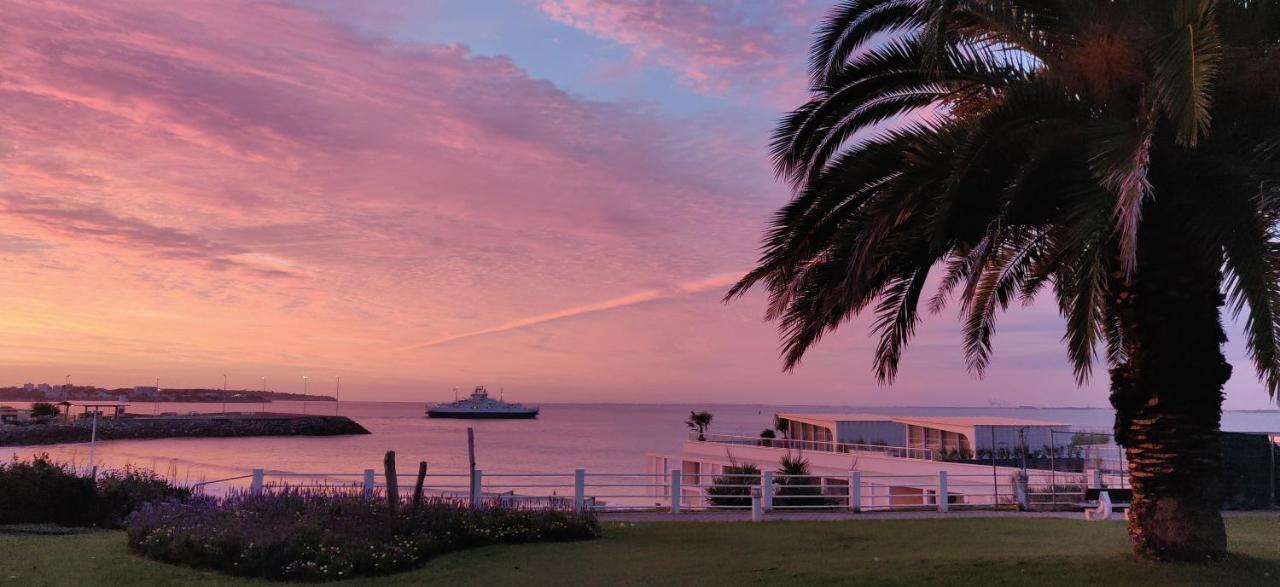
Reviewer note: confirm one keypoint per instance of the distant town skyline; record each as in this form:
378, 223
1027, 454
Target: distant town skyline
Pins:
549, 197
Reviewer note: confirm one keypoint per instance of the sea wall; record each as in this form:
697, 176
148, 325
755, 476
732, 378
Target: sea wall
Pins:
203, 426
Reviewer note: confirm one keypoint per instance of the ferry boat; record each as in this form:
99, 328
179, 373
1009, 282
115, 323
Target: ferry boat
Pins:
481, 406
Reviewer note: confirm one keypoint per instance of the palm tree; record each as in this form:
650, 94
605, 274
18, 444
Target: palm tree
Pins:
698, 422
1123, 155
782, 425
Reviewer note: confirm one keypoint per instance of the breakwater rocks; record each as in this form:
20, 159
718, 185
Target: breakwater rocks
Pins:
195, 426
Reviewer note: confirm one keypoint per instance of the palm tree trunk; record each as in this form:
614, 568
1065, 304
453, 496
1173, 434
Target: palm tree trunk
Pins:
1168, 394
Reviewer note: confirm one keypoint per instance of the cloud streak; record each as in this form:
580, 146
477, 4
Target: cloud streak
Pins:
641, 297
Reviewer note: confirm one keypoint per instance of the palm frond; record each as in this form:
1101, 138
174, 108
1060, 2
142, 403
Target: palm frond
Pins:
1185, 64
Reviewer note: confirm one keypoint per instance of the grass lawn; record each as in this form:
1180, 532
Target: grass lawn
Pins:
872, 552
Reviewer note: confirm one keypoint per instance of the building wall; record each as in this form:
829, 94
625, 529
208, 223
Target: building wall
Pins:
890, 433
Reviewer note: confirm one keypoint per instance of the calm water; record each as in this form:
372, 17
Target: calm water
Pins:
605, 438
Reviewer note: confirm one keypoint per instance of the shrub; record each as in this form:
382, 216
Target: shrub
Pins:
43, 410
796, 487
42, 491
727, 491
313, 534
124, 491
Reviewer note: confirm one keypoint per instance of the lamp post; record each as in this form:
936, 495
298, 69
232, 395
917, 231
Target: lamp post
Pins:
305, 379
155, 405
224, 393
337, 395
93, 441
263, 398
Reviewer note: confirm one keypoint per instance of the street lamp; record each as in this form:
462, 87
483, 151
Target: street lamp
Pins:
305, 379
337, 395
224, 393
263, 398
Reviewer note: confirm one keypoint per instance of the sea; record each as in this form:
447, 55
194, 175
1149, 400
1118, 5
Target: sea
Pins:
601, 438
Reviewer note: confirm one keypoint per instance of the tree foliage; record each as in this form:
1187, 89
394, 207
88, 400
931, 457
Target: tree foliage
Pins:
1002, 149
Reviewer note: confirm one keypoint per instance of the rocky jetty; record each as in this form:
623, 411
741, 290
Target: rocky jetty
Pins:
194, 426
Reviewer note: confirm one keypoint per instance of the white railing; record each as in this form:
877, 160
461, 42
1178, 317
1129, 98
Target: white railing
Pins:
678, 491
902, 452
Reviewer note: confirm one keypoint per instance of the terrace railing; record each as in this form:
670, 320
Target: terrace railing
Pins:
902, 452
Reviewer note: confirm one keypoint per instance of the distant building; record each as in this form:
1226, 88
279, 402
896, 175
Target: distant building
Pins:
146, 390
46, 389
11, 415
28, 387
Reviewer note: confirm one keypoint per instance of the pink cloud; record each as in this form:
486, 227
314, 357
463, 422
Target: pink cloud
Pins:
224, 176
715, 47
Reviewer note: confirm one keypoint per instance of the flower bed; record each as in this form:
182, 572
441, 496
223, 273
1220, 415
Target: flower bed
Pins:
301, 534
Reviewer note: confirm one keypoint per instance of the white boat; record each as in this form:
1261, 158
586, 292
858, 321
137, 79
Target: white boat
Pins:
481, 406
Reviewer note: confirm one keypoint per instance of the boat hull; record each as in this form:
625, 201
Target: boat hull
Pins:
478, 415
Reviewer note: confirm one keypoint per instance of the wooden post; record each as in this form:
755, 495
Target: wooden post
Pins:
393, 488
471, 458
417, 488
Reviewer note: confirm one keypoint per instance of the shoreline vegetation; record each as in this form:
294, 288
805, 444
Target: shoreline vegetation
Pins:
173, 426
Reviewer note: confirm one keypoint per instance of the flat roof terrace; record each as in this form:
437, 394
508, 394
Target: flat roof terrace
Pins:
919, 420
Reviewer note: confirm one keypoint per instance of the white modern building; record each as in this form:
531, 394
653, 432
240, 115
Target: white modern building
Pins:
896, 460
944, 436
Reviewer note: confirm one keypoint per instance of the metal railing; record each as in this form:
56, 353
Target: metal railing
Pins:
902, 452
677, 491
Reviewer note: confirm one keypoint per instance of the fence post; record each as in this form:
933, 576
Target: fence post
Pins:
477, 491
1020, 490
1096, 478
392, 481
368, 482
757, 512
855, 491
417, 487
675, 491
943, 500
579, 490
255, 485
766, 490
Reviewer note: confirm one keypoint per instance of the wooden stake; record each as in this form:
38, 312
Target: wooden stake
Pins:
393, 490
471, 457
417, 489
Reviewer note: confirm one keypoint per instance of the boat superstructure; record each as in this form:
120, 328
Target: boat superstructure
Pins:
481, 406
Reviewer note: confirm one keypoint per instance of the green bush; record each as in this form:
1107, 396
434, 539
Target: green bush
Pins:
797, 488
43, 410
40, 491
124, 491
724, 490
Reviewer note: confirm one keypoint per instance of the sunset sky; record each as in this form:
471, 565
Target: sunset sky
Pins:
549, 196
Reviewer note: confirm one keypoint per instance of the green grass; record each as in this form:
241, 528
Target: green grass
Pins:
872, 552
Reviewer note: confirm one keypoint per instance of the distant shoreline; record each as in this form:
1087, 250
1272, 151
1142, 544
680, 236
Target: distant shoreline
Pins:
174, 426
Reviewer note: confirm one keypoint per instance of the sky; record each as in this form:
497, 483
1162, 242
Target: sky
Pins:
547, 196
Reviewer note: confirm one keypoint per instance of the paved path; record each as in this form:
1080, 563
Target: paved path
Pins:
644, 517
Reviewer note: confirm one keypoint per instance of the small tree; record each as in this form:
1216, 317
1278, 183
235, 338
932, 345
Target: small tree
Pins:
699, 422
43, 410
733, 487
766, 437
782, 425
